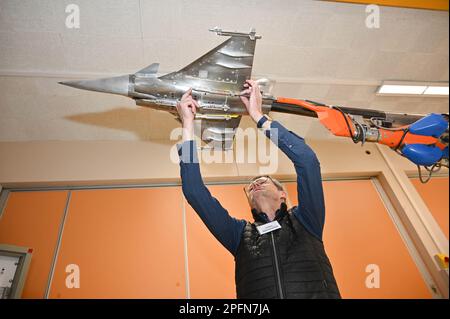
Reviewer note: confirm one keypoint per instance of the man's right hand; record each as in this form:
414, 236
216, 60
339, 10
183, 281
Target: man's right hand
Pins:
186, 108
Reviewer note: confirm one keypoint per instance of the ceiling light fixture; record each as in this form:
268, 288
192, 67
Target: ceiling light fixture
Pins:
413, 89
436, 90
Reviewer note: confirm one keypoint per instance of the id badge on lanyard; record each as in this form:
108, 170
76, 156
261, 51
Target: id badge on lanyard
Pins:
268, 227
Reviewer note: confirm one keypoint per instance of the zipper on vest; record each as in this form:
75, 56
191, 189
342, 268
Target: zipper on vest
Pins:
277, 268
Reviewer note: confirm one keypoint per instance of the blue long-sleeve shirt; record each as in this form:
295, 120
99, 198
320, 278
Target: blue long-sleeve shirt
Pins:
227, 229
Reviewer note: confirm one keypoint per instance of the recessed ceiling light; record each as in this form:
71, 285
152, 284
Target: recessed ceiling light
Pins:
413, 88
436, 90
401, 89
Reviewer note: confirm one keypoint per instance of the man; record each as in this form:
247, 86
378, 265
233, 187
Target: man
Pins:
271, 261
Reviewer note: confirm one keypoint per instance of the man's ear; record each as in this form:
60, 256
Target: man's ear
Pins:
249, 201
283, 196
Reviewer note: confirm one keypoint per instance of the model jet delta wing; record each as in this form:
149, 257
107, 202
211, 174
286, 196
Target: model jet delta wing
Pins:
216, 79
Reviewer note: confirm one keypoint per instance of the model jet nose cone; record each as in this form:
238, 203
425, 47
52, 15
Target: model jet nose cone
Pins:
114, 85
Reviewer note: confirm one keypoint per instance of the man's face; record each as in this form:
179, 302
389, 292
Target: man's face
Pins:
262, 188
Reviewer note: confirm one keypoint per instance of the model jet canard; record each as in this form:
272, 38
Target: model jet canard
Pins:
216, 79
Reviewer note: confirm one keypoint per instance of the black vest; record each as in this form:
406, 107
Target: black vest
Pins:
286, 263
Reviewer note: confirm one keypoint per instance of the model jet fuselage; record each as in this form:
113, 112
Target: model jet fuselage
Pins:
165, 93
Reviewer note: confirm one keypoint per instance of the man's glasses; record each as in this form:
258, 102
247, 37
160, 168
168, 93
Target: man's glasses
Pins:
259, 181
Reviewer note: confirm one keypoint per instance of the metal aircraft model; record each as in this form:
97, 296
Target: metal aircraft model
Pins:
217, 79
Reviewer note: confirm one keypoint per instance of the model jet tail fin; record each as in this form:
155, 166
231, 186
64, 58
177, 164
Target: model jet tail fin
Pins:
150, 70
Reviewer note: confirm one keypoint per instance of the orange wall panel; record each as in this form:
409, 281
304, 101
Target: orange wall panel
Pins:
359, 232
128, 243
211, 266
32, 219
435, 195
